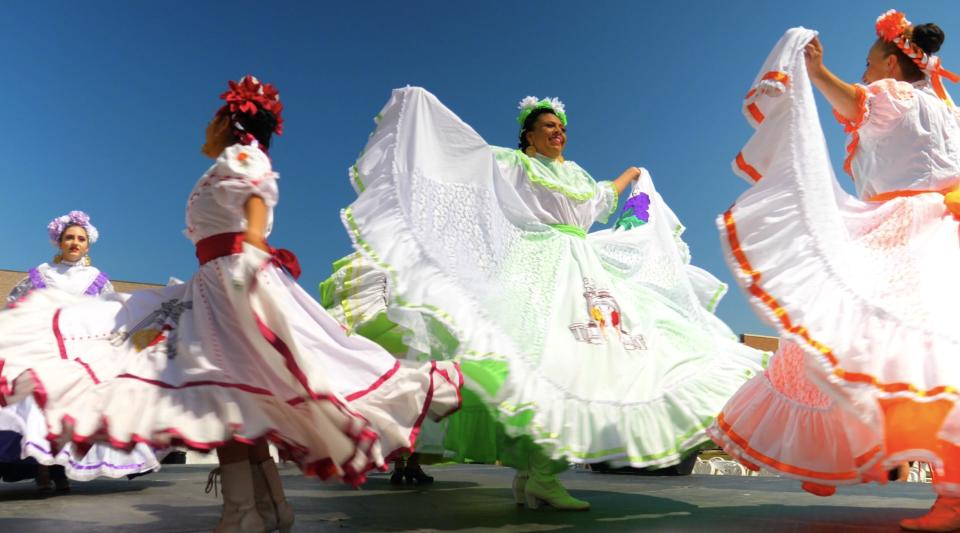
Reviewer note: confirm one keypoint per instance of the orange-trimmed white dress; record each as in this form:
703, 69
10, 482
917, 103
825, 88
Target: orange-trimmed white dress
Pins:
239, 352
861, 288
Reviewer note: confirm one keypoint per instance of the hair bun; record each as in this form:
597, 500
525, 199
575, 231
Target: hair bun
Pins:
929, 37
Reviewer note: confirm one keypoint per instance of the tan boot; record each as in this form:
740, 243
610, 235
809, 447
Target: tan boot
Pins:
239, 513
271, 502
520, 486
943, 516
543, 487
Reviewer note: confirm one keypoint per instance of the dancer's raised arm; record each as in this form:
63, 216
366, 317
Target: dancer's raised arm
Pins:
624, 180
843, 96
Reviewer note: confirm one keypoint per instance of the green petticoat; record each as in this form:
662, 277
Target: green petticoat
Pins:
473, 434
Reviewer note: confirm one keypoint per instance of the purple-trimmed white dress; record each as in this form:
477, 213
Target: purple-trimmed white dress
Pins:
23, 429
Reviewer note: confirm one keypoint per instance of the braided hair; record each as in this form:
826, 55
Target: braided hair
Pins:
929, 37
260, 124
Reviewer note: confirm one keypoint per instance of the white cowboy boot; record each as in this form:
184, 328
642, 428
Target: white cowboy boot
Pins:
271, 502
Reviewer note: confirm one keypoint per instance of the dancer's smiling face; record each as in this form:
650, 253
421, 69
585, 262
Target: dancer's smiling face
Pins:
74, 243
548, 135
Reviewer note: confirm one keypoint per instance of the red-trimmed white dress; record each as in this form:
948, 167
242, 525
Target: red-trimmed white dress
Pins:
861, 288
239, 351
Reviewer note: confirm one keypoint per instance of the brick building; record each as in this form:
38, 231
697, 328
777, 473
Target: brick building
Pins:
760, 342
9, 278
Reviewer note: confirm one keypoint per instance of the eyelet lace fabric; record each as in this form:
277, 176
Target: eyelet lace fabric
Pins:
482, 248
894, 280
787, 374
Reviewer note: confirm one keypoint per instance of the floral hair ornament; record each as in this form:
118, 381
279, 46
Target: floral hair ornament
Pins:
57, 226
528, 104
248, 95
893, 27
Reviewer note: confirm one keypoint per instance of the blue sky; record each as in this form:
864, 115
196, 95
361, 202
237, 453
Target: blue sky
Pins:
106, 102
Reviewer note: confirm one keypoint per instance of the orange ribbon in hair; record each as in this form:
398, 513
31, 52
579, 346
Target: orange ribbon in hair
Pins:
937, 72
893, 26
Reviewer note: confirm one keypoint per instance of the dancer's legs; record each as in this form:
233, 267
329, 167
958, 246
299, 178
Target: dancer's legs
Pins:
536, 480
239, 506
268, 489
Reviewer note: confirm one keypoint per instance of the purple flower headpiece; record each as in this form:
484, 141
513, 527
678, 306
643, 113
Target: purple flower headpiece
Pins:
73, 218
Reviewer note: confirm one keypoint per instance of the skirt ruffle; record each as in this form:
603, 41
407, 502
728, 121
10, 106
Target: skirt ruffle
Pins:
504, 300
252, 356
24, 445
781, 422
864, 289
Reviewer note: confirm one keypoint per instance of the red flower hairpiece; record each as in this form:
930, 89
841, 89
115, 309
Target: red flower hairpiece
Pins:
248, 95
891, 25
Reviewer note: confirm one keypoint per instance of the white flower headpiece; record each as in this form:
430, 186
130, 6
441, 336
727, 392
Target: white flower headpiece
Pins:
528, 104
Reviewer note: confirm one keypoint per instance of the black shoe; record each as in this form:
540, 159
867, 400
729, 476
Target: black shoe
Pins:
61, 486
44, 483
396, 477
415, 475
175, 458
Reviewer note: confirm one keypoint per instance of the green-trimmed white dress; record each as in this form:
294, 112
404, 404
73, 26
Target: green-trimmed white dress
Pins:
595, 347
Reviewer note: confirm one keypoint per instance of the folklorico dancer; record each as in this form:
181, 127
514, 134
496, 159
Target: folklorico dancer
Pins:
24, 450
71, 271
859, 287
575, 347
236, 356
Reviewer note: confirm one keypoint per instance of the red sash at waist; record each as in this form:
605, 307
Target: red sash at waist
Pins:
224, 244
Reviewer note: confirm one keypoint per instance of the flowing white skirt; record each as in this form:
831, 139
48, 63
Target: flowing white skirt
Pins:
862, 294
474, 275
24, 421
238, 352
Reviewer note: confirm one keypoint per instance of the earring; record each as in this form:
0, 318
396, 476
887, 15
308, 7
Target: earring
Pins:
86, 260
57, 259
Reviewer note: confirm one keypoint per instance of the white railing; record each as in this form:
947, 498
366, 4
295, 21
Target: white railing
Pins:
719, 466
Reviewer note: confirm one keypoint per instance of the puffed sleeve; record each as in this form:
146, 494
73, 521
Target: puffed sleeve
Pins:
107, 289
241, 172
20, 290
604, 202
880, 105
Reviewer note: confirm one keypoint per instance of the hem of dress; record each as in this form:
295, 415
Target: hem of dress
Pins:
860, 394
447, 301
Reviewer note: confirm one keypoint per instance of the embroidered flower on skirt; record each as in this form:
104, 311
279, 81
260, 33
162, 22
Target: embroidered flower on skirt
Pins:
636, 212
